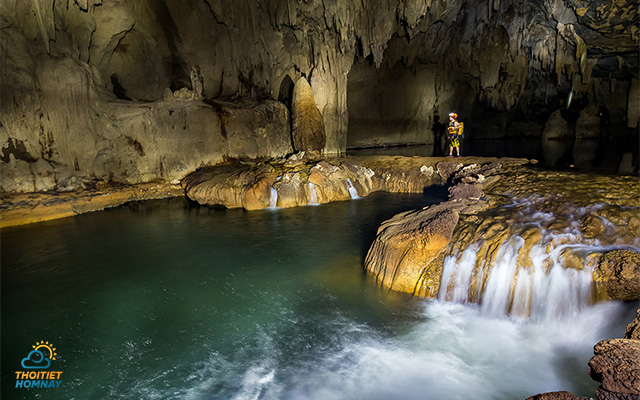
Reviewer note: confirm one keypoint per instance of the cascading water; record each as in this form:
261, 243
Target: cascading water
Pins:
533, 291
352, 190
273, 201
313, 195
527, 281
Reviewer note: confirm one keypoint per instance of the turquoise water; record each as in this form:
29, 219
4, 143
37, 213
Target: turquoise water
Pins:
164, 300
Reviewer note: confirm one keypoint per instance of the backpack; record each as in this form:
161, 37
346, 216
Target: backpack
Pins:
461, 130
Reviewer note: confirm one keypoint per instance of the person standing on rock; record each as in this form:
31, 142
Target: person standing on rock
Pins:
455, 129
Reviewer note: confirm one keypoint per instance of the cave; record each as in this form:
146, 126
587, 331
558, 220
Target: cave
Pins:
272, 199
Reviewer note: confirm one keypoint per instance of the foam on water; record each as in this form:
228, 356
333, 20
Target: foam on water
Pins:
453, 352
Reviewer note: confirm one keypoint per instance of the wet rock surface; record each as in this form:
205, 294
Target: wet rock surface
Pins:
563, 206
407, 248
303, 181
562, 395
617, 275
616, 365
27, 208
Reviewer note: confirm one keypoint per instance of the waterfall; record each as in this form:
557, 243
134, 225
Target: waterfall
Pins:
537, 291
352, 190
313, 195
274, 198
537, 284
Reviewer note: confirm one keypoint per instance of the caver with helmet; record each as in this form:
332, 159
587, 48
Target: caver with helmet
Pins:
455, 130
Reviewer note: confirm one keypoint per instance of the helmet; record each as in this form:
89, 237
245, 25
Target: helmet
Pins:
454, 115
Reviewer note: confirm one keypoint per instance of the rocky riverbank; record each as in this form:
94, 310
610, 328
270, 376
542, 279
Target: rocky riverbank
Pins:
287, 182
26, 208
299, 181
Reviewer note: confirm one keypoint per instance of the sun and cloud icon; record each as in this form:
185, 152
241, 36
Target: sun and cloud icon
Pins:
40, 357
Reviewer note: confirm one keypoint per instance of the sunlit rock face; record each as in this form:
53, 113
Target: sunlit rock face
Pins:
75, 75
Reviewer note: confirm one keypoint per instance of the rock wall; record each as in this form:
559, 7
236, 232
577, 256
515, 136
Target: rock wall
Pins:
380, 71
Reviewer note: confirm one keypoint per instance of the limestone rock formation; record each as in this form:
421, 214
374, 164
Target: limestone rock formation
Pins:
616, 365
617, 275
81, 80
446, 169
633, 329
307, 125
406, 251
299, 181
492, 228
563, 395
141, 142
256, 186
27, 208
556, 127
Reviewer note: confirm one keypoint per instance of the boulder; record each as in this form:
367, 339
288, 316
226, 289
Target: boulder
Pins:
557, 396
465, 191
473, 173
616, 365
633, 329
404, 255
617, 276
258, 195
446, 169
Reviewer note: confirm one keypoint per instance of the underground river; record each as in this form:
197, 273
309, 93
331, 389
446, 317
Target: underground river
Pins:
166, 300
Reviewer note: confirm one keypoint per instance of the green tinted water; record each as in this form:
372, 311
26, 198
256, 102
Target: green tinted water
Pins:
163, 300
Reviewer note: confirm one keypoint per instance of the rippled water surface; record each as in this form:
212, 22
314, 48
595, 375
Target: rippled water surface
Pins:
162, 300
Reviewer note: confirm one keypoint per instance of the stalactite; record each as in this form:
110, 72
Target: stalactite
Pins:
44, 15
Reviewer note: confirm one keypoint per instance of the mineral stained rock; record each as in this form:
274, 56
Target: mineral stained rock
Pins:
27, 208
557, 396
296, 181
407, 253
633, 329
598, 209
302, 182
616, 365
407, 247
617, 275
